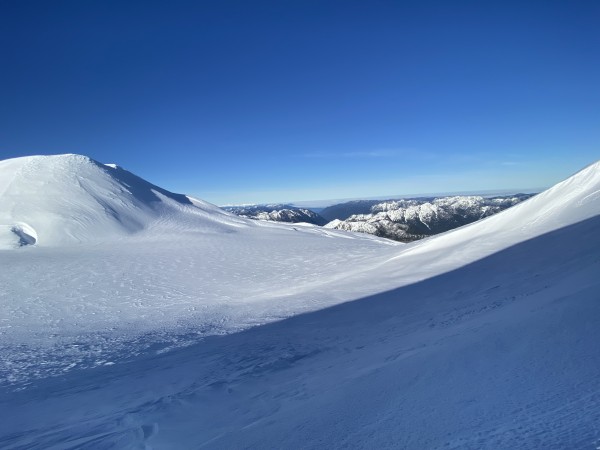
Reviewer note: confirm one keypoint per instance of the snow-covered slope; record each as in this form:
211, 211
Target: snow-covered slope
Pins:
570, 201
482, 337
116, 258
66, 199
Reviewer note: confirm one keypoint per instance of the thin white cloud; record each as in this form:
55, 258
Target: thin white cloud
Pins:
381, 153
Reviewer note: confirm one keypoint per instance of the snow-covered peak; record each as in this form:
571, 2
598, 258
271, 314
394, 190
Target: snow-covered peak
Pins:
277, 213
62, 199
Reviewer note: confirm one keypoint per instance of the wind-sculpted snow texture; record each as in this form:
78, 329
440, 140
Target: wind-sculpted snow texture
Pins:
186, 332
277, 213
409, 220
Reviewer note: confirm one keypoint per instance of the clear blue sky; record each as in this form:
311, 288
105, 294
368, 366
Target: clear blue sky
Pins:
255, 101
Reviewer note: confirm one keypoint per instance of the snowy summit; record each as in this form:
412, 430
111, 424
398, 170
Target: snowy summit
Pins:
132, 317
66, 199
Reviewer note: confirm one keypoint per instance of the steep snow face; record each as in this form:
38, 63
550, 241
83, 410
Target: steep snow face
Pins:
66, 199
573, 200
570, 201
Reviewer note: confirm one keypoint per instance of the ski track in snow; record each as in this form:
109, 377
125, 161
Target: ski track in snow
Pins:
155, 320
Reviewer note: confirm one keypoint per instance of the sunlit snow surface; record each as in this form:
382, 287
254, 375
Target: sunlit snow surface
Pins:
131, 320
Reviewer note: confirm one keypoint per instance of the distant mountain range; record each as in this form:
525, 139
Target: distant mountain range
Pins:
409, 220
403, 220
277, 213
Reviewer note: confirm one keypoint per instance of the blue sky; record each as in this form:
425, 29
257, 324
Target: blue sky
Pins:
254, 101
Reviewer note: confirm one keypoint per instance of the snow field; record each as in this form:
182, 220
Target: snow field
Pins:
140, 318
